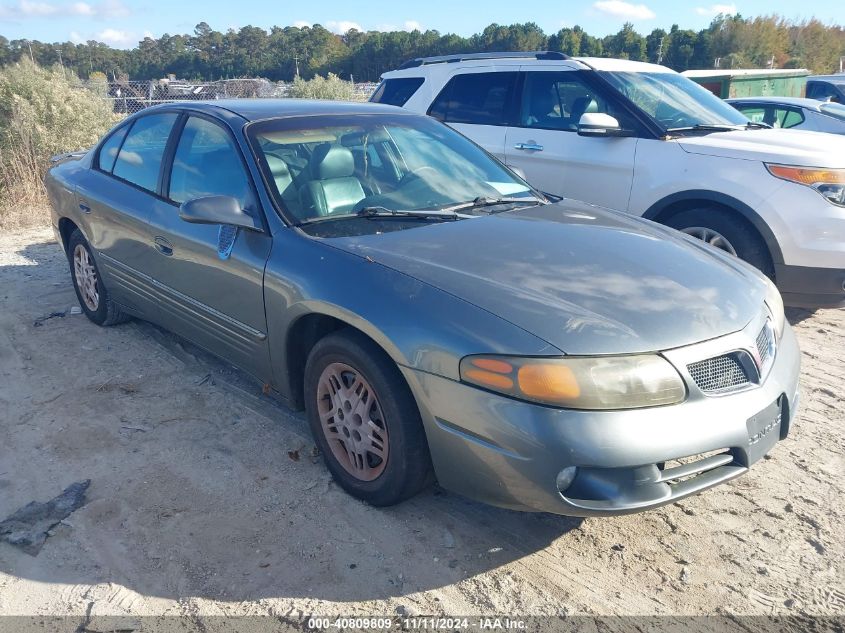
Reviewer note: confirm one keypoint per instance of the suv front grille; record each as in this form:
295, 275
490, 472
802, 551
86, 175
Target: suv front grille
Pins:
718, 374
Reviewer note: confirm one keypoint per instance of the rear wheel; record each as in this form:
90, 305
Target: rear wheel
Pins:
726, 231
365, 420
94, 297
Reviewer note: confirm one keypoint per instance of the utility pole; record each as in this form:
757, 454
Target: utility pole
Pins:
31, 58
660, 49
296, 62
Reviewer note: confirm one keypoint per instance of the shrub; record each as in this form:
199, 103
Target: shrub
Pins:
42, 112
331, 87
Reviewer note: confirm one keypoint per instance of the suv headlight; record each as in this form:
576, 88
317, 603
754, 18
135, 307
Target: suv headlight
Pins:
600, 382
775, 304
828, 182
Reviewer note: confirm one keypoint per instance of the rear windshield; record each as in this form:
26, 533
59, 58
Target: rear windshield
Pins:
396, 91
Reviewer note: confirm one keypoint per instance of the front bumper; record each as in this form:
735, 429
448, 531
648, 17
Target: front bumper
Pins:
810, 233
806, 287
509, 453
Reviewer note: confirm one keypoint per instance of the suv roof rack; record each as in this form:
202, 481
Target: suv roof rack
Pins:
460, 57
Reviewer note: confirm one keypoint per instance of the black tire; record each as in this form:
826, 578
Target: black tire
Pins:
107, 312
408, 464
744, 238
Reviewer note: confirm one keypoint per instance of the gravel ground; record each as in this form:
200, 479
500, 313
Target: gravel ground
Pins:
205, 498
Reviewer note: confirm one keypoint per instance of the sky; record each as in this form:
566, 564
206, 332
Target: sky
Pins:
122, 23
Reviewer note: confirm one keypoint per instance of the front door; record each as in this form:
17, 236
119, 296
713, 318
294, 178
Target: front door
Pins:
210, 295
546, 146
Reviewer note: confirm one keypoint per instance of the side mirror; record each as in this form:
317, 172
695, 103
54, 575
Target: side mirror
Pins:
598, 124
223, 210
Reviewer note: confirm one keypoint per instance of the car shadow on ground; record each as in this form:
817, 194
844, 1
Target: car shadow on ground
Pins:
798, 315
202, 486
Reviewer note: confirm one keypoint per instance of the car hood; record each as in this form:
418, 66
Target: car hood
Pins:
584, 279
790, 147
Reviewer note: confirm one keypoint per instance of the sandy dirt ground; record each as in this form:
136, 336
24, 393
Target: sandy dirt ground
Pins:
198, 504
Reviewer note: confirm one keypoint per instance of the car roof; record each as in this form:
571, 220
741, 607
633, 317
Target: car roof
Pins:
445, 63
257, 109
810, 104
834, 79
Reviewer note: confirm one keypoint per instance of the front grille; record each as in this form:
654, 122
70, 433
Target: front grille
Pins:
718, 374
763, 345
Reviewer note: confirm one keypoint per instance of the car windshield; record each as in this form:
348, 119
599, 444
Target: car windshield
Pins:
332, 167
673, 101
836, 110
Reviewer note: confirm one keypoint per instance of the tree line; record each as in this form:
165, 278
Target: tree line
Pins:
283, 52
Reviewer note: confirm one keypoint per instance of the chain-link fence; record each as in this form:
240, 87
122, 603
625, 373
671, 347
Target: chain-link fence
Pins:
131, 96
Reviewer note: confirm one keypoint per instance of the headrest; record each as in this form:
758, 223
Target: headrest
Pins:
332, 161
356, 139
278, 167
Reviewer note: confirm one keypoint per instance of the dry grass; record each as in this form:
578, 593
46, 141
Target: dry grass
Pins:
42, 112
23, 199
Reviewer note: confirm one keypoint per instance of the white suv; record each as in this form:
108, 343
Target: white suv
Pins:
642, 138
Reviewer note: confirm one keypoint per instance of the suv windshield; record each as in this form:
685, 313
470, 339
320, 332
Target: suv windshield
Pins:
340, 166
674, 101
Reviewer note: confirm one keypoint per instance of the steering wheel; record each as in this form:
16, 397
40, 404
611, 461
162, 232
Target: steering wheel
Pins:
415, 174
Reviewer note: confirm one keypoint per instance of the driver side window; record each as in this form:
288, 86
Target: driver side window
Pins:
558, 100
207, 163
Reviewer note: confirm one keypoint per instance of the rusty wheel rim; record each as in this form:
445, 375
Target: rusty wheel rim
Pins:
86, 277
352, 421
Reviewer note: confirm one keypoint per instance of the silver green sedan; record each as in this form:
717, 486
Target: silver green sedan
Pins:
435, 315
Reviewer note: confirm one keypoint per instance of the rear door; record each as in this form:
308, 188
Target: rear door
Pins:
544, 142
117, 197
479, 103
213, 299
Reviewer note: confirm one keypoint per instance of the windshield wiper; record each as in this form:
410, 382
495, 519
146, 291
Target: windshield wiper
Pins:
384, 212
758, 126
707, 127
482, 201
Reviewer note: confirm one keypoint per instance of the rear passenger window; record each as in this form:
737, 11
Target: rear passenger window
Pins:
480, 98
109, 149
396, 91
207, 164
139, 160
789, 118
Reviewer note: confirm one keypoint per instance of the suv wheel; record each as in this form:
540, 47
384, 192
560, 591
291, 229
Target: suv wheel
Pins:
365, 420
725, 231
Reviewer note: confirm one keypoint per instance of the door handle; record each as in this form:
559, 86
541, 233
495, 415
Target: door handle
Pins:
84, 206
163, 246
534, 147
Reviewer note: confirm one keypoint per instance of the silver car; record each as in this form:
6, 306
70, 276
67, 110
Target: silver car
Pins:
793, 113
434, 315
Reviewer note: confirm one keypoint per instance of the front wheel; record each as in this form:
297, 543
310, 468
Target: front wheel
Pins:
365, 420
728, 232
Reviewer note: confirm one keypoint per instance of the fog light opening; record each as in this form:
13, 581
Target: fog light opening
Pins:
565, 478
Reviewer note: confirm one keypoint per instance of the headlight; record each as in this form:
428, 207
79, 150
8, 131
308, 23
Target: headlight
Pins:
828, 182
600, 382
775, 303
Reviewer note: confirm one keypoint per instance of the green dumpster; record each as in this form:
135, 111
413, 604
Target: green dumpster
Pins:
779, 82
